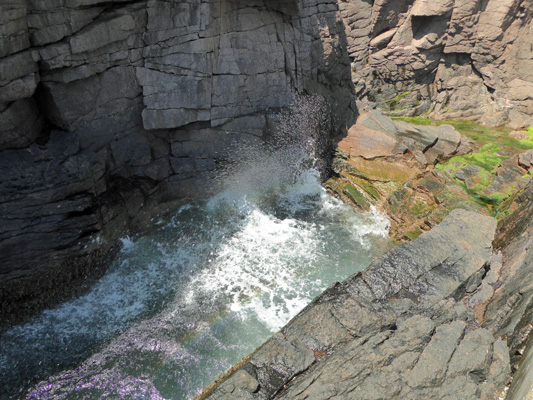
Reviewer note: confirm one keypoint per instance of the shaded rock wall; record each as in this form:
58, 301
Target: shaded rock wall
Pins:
113, 110
464, 59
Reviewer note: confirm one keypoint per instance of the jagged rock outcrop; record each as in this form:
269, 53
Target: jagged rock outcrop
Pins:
464, 59
111, 110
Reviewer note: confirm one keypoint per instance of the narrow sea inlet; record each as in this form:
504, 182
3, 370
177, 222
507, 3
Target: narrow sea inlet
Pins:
179, 307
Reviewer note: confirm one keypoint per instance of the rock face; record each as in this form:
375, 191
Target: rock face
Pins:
408, 327
464, 59
112, 110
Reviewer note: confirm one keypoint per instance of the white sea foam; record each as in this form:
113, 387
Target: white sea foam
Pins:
127, 244
259, 265
182, 305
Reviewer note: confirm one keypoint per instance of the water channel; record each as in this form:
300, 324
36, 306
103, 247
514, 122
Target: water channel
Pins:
180, 306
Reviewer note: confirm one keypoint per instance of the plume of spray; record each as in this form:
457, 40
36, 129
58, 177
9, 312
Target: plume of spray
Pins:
297, 142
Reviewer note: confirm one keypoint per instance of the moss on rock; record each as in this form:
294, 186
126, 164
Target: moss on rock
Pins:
416, 198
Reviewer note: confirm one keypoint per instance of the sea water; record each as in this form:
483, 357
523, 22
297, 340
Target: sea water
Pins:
177, 308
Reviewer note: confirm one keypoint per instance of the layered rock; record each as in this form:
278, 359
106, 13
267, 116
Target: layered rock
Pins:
111, 111
464, 59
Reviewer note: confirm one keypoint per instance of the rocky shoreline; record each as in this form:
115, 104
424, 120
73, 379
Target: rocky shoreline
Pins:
114, 109
445, 316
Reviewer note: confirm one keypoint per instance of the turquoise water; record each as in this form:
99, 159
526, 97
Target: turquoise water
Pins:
179, 307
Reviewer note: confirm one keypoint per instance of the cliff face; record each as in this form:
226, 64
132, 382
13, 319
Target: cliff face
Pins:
110, 109
455, 59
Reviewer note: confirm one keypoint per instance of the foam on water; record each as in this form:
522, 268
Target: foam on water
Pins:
182, 305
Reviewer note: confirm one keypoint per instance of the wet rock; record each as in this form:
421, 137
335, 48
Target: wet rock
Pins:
438, 262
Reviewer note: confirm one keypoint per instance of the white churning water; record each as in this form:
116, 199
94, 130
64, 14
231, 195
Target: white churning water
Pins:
180, 306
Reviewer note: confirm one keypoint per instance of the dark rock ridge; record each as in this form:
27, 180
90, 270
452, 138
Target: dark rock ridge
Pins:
454, 59
112, 111
446, 316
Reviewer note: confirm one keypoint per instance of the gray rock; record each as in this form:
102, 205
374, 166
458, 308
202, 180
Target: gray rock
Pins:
525, 159
13, 27
430, 369
436, 264
240, 385
102, 33
473, 355
465, 58
468, 172
20, 124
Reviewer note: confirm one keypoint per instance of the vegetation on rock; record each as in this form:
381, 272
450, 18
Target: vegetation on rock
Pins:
415, 188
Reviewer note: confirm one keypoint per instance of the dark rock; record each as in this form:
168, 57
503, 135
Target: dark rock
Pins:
110, 111
20, 124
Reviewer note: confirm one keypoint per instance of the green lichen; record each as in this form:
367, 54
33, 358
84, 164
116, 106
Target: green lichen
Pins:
356, 196
491, 147
478, 133
487, 159
418, 120
412, 235
420, 209
394, 103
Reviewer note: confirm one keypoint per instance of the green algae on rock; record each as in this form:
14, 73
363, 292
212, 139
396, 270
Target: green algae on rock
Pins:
417, 174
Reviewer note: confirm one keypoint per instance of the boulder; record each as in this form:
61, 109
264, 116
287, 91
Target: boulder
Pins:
525, 160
